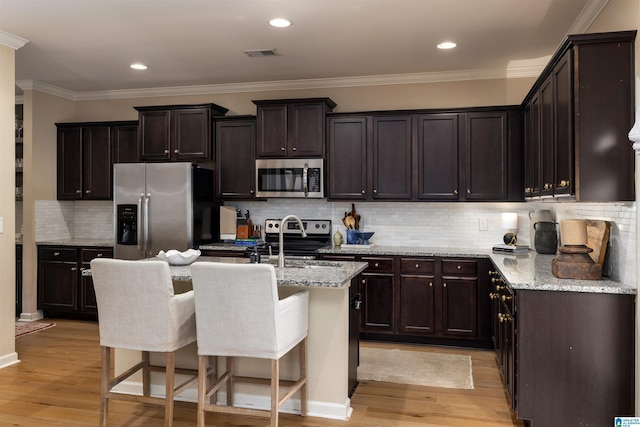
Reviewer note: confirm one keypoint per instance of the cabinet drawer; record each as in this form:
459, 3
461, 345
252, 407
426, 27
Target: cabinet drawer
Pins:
379, 264
58, 254
457, 266
417, 266
89, 254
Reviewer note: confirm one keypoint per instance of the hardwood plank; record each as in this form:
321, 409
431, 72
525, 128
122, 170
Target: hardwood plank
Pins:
57, 383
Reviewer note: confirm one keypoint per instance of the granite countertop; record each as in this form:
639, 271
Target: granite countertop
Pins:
408, 251
308, 273
223, 247
77, 242
532, 271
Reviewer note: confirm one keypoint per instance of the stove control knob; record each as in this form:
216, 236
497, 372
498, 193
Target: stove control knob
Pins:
317, 225
324, 225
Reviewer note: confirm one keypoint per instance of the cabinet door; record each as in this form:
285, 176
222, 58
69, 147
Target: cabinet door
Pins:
305, 125
437, 156
97, 166
58, 285
532, 148
459, 306
271, 139
392, 157
547, 138
486, 156
88, 304
564, 125
154, 135
417, 302
124, 143
69, 162
235, 143
378, 303
347, 157
191, 134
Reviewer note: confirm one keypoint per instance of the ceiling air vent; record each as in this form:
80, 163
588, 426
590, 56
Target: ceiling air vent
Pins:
260, 52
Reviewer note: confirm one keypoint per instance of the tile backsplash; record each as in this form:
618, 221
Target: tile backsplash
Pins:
474, 225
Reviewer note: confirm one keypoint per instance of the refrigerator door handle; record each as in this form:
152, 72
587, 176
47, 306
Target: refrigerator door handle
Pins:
139, 226
147, 243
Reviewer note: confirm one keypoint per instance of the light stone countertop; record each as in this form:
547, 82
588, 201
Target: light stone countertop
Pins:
409, 251
532, 271
78, 242
307, 273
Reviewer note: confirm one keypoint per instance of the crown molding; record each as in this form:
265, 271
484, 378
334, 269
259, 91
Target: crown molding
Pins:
341, 82
586, 17
11, 40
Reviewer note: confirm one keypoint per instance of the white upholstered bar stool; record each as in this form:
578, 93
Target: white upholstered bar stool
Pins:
138, 310
238, 314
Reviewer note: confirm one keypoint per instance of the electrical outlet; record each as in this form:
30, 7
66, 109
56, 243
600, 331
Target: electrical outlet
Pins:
483, 225
1, 225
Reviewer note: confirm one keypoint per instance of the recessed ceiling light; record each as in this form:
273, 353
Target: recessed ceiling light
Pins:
446, 45
280, 22
138, 66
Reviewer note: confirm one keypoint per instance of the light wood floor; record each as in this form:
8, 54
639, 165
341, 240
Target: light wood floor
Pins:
57, 383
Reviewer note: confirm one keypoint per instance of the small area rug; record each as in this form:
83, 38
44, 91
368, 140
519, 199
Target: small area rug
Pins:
26, 328
415, 367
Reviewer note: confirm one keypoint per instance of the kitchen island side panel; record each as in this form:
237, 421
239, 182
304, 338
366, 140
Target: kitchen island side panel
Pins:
575, 357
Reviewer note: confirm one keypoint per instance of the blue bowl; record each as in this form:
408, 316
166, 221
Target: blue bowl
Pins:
357, 237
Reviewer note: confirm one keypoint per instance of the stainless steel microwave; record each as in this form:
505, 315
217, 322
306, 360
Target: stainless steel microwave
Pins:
290, 178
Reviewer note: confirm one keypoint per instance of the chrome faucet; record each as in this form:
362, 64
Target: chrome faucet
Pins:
280, 239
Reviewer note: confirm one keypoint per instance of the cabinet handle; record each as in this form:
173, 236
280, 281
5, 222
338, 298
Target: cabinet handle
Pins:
417, 265
548, 186
455, 192
99, 255
251, 192
376, 265
56, 254
73, 268
78, 191
166, 151
430, 284
468, 191
563, 183
459, 267
506, 298
87, 191
375, 191
281, 148
294, 149
444, 285
176, 151
362, 191
364, 281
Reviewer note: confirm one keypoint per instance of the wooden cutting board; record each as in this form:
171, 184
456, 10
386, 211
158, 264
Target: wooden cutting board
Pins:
597, 239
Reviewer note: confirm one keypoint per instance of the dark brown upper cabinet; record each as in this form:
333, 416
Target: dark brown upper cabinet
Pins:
291, 127
84, 161
176, 132
579, 113
465, 155
235, 142
124, 142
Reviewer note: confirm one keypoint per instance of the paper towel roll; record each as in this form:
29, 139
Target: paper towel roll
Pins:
573, 232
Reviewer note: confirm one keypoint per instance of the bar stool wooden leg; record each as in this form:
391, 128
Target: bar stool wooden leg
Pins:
303, 374
203, 385
105, 378
275, 391
169, 393
146, 374
229, 361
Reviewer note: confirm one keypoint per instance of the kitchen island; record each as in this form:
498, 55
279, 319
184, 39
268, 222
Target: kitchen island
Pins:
329, 354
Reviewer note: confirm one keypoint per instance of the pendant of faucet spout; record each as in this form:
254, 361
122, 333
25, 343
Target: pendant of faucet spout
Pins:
281, 240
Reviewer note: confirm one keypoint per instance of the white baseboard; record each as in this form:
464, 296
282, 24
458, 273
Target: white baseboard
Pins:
337, 411
31, 317
9, 359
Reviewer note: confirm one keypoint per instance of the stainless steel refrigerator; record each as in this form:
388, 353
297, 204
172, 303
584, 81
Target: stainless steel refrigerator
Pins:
162, 206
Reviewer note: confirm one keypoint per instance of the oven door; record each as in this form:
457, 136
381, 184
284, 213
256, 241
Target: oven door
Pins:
289, 178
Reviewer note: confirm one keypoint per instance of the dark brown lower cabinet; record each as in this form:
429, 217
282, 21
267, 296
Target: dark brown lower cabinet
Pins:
62, 290
18, 279
430, 300
575, 360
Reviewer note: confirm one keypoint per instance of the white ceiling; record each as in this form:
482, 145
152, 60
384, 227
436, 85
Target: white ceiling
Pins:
86, 46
